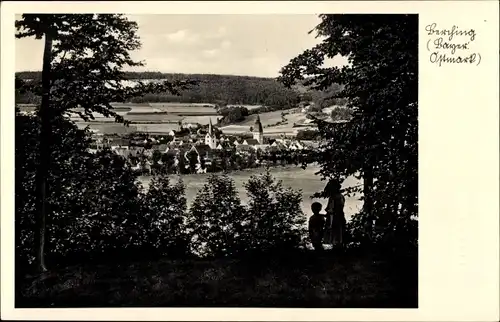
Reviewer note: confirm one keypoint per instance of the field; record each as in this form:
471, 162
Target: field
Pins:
268, 121
291, 176
164, 117
195, 109
108, 128
203, 120
154, 117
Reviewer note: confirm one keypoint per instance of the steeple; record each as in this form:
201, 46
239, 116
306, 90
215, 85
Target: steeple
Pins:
258, 125
210, 138
258, 133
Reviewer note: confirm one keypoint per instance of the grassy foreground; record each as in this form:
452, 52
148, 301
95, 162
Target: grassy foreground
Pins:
301, 279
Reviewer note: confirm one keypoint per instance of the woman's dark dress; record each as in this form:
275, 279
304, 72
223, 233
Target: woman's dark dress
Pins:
335, 220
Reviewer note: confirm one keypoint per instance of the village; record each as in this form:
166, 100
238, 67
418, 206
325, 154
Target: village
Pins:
202, 149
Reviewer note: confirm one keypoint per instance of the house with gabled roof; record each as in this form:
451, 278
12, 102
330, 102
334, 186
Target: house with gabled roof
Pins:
251, 142
279, 145
295, 145
224, 145
180, 142
119, 143
261, 147
273, 148
204, 152
244, 149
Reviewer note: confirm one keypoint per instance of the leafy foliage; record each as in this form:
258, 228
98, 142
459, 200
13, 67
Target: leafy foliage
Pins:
340, 114
215, 219
162, 218
381, 141
327, 97
275, 219
307, 135
69, 155
93, 198
232, 115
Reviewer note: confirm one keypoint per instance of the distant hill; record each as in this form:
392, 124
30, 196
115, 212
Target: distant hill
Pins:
216, 89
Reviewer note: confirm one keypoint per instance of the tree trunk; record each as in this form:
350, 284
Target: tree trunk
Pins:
44, 146
368, 197
367, 189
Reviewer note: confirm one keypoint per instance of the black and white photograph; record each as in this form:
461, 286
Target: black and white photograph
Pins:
216, 160
250, 161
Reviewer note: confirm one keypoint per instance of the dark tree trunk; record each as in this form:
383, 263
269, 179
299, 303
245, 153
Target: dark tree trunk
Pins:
368, 197
367, 189
43, 166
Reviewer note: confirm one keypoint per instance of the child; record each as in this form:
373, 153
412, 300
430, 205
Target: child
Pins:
316, 226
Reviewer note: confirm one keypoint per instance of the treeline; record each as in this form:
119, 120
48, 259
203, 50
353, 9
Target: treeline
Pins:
98, 210
217, 89
325, 98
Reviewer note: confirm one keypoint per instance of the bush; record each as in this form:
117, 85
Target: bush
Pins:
93, 200
69, 159
98, 211
94, 214
275, 219
232, 115
341, 113
399, 234
308, 135
215, 218
162, 220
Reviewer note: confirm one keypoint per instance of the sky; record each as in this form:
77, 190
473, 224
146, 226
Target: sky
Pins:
253, 45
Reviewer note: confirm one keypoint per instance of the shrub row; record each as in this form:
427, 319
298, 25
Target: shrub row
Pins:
98, 210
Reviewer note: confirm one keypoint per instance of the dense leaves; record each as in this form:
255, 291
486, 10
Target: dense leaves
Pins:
215, 219
162, 221
69, 155
380, 83
275, 219
307, 135
340, 114
232, 115
93, 200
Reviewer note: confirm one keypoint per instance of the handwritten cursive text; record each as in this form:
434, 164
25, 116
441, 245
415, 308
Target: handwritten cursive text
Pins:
451, 45
454, 31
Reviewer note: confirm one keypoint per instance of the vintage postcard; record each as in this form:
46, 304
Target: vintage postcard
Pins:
250, 160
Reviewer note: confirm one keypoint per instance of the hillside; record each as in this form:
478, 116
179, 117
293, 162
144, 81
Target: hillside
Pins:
275, 123
215, 89
199, 104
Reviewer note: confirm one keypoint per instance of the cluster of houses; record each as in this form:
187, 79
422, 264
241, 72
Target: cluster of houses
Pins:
206, 149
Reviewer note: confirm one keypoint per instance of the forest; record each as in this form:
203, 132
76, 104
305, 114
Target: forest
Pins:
218, 89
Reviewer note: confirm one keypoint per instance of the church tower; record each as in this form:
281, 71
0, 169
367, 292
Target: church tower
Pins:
258, 133
210, 138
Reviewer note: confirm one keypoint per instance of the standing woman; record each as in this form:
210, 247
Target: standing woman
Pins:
335, 218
